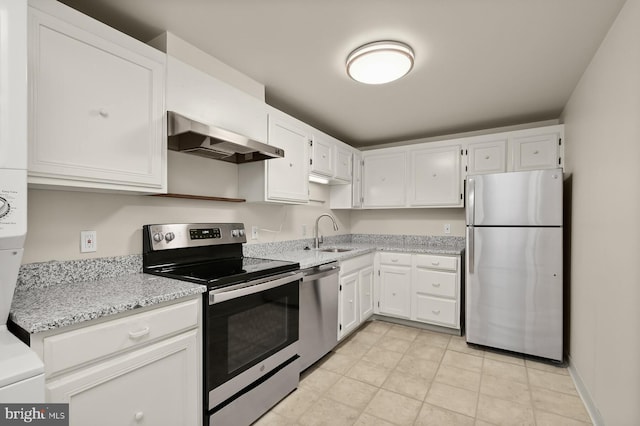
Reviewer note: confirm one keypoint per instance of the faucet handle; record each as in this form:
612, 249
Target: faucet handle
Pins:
320, 239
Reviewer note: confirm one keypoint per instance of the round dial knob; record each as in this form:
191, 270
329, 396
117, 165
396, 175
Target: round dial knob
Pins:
4, 207
169, 236
242, 232
235, 233
157, 237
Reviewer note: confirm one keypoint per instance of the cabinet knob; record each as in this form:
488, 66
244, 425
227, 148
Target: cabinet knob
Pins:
435, 175
290, 164
393, 294
351, 301
487, 157
536, 152
138, 416
103, 113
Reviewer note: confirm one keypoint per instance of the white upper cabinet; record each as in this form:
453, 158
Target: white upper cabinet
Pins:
204, 98
280, 180
322, 155
96, 113
349, 195
356, 183
435, 178
536, 149
487, 155
343, 168
384, 182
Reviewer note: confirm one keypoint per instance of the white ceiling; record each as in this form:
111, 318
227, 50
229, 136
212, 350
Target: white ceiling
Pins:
479, 63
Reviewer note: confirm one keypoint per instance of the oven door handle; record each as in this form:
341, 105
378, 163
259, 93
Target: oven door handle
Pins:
251, 287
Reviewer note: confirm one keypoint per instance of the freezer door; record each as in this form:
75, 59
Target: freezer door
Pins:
514, 289
531, 198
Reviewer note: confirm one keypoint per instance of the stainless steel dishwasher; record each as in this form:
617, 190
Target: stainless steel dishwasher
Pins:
318, 313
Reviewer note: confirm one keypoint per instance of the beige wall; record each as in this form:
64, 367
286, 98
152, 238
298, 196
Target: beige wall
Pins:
408, 221
56, 218
602, 128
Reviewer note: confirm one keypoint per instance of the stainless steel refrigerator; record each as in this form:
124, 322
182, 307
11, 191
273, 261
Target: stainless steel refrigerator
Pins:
514, 262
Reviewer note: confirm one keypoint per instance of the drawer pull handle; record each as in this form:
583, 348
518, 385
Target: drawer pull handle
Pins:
435, 284
139, 415
436, 311
394, 260
135, 335
435, 263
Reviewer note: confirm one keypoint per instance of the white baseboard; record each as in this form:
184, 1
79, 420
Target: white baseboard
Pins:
594, 413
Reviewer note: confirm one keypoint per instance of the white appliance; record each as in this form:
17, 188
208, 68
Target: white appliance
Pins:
21, 371
514, 285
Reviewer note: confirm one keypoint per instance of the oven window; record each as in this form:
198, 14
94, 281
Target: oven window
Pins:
242, 332
256, 331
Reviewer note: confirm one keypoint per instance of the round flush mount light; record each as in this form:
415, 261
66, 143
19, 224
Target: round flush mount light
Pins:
380, 62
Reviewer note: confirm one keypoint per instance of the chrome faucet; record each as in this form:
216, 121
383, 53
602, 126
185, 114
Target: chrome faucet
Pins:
317, 240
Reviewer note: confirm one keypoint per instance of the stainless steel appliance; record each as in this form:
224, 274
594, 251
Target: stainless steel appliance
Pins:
318, 313
251, 315
514, 249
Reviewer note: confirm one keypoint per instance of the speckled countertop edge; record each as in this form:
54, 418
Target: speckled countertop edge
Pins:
55, 306
357, 244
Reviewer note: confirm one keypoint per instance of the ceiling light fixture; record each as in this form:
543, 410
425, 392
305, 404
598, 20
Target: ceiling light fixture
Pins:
380, 62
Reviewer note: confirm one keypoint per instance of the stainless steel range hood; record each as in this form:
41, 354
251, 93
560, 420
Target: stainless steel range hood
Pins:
194, 137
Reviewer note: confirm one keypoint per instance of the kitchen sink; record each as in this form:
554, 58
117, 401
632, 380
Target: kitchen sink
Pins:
335, 250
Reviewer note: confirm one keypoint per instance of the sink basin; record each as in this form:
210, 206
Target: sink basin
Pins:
335, 250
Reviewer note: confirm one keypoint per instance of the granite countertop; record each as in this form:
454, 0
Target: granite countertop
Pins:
41, 309
314, 257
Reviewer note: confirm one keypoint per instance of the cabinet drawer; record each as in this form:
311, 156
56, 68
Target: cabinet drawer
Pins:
435, 283
437, 262
76, 347
395, 258
435, 310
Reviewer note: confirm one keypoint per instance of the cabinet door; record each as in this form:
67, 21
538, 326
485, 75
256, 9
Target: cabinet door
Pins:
156, 385
384, 179
537, 151
288, 177
487, 157
97, 109
356, 182
395, 284
343, 163
365, 282
435, 177
322, 156
348, 304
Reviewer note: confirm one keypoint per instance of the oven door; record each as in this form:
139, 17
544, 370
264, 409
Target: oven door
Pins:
251, 331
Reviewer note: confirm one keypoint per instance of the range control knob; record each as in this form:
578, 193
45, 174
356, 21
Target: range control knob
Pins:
169, 236
242, 232
235, 233
4, 207
157, 237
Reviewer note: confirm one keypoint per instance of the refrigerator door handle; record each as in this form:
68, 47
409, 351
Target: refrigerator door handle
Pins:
470, 254
471, 205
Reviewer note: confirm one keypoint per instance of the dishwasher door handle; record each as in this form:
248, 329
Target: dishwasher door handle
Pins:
321, 273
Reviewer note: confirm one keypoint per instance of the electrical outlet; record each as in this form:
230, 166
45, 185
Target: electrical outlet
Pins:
447, 228
254, 232
304, 230
88, 241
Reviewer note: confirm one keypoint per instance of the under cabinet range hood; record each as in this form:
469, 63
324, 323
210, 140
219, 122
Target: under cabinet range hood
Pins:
194, 137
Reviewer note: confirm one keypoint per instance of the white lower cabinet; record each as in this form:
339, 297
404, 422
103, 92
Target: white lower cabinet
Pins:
420, 287
156, 385
143, 368
395, 285
355, 303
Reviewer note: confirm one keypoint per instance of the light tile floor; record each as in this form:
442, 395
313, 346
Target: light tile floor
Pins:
388, 374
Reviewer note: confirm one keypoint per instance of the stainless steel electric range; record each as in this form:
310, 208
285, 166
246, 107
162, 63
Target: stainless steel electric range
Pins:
250, 315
